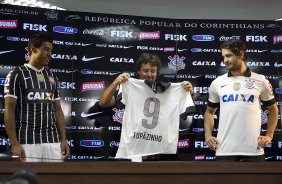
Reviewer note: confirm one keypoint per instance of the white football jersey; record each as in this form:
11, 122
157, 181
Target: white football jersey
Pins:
240, 112
151, 120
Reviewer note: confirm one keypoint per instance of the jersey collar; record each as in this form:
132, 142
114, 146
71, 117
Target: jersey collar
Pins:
157, 86
247, 74
32, 67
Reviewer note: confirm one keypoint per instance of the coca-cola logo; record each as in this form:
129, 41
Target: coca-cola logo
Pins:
93, 32
226, 38
114, 144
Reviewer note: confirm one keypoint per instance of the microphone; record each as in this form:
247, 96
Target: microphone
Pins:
23, 176
7, 156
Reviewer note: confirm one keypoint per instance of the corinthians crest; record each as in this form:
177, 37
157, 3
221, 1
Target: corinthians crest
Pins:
176, 63
52, 15
118, 115
249, 84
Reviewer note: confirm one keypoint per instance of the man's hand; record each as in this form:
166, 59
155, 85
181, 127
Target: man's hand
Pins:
65, 149
263, 141
121, 78
187, 86
212, 142
18, 150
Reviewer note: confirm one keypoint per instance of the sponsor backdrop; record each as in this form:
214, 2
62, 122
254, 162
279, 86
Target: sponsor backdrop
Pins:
91, 49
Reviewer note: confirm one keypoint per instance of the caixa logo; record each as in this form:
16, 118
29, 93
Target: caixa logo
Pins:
65, 30
203, 38
91, 143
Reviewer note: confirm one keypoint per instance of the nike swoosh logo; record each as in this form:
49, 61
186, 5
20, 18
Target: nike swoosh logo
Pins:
260, 51
3, 52
98, 128
267, 158
70, 71
263, 130
86, 44
113, 73
96, 158
277, 65
126, 47
90, 59
275, 77
27, 78
181, 50
91, 114
223, 85
184, 129
194, 77
222, 64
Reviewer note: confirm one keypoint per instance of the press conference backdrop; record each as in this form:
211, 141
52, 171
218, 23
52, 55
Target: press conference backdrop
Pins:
91, 49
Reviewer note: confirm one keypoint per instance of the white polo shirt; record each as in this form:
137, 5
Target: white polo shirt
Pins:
240, 111
151, 120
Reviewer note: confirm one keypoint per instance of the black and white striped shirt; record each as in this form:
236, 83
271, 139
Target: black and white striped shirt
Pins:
35, 91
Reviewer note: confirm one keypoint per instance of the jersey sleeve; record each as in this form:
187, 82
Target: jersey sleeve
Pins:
57, 91
186, 106
12, 84
266, 95
125, 91
213, 95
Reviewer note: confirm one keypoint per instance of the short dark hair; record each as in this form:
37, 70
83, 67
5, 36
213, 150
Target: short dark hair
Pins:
236, 46
37, 39
148, 58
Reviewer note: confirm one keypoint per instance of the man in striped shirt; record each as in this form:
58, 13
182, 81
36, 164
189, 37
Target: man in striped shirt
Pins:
33, 116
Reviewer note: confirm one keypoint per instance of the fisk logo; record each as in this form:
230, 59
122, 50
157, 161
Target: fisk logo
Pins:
4, 142
70, 143
65, 30
200, 144
279, 144
67, 85
201, 89
203, 38
176, 37
91, 143
40, 96
121, 34
250, 38
34, 27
